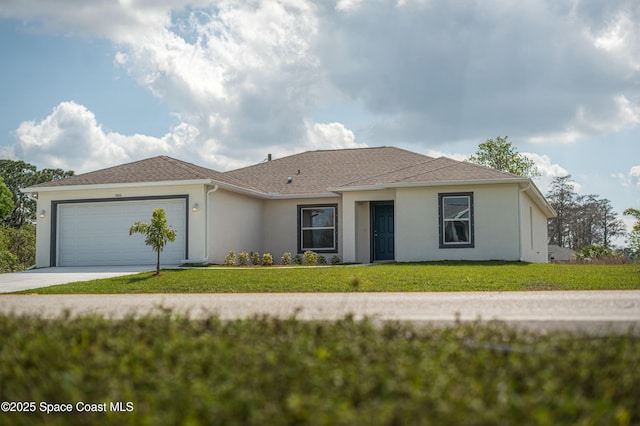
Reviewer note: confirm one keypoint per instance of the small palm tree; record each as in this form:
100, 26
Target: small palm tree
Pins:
158, 233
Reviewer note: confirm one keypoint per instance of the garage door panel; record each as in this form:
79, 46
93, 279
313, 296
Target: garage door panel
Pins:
98, 233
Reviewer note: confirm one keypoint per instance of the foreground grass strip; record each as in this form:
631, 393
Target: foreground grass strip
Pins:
169, 370
443, 276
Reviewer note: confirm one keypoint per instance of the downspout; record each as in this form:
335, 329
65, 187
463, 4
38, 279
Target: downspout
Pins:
520, 220
206, 229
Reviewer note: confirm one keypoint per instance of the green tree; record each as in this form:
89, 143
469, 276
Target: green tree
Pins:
158, 233
500, 154
635, 213
8, 260
633, 239
18, 175
6, 200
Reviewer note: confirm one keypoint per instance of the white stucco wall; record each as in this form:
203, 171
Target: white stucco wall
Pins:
535, 247
196, 193
500, 224
236, 224
495, 224
280, 230
356, 220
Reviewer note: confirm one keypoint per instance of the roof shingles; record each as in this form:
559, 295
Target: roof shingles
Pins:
312, 172
156, 169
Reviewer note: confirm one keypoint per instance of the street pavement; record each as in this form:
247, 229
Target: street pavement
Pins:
592, 311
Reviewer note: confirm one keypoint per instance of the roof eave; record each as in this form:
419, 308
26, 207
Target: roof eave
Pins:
36, 189
540, 200
388, 185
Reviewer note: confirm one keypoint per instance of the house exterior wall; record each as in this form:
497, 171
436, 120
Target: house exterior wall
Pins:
236, 224
356, 223
495, 224
195, 193
507, 224
533, 222
280, 226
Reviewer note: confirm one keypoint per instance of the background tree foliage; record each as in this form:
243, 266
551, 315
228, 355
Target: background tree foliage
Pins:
500, 154
583, 220
18, 212
633, 239
6, 200
18, 175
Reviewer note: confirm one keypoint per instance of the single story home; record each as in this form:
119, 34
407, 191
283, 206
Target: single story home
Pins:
362, 205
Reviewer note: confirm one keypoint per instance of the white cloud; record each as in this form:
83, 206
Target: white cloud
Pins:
347, 5
631, 179
245, 76
614, 115
548, 171
330, 136
71, 138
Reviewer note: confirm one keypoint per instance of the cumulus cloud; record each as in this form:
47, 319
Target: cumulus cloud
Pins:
244, 77
445, 71
71, 138
548, 171
630, 179
331, 136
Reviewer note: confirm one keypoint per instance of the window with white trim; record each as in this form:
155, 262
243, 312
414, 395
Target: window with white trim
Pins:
317, 228
456, 220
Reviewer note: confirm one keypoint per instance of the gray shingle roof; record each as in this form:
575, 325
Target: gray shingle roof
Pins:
434, 170
313, 172
156, 169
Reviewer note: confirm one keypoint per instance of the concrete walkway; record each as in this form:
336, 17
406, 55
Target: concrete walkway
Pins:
45, 277
593, 311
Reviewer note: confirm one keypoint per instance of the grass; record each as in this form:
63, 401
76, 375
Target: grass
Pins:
438, 276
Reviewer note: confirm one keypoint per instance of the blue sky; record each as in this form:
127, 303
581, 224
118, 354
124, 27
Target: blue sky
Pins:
223, 83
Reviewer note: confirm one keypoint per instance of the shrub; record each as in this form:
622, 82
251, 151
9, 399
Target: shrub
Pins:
297, 260
17, 248
322, 260
601, 255
310, 257
255, 258
267, 259
335, 260
243, 258
214, 371
285, 259
230, 258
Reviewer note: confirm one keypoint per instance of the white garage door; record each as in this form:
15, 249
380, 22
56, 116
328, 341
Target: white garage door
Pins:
98, 233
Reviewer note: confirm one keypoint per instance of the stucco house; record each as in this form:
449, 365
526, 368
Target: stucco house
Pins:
363, 205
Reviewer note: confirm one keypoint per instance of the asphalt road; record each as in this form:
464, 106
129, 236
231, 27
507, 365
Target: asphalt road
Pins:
594, 311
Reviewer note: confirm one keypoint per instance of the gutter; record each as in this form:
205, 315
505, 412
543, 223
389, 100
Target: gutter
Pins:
36, 189
381, 185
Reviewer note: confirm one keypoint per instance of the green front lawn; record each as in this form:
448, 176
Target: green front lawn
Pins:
439, 276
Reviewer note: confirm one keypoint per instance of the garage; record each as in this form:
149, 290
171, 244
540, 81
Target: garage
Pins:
96, 232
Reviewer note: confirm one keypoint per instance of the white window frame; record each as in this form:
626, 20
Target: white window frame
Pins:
444, 220
302, 228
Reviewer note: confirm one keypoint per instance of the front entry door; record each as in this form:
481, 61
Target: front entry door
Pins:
383, 231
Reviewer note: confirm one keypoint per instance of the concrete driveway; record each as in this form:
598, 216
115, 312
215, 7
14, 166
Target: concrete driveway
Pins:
46, 277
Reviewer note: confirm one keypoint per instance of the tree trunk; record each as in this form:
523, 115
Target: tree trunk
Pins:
158, 264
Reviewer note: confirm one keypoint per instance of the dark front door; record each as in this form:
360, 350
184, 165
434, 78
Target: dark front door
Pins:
383, 231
